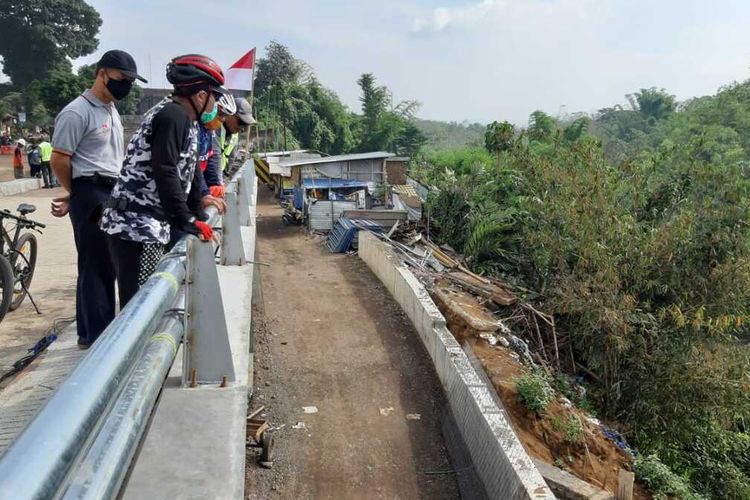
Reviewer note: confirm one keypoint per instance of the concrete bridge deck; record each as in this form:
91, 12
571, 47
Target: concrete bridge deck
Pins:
337, 341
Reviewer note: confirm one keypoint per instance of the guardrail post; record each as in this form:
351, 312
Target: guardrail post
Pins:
207, 349
243, 199
232, 251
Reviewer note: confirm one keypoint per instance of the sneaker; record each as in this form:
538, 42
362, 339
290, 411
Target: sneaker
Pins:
83, 343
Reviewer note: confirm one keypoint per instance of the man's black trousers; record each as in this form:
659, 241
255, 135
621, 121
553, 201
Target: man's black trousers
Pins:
134, 263
95, 288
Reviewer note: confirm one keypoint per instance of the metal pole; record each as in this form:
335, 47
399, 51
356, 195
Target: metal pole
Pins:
36, 464
103, 469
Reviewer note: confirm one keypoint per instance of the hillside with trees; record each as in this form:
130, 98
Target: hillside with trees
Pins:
631, 227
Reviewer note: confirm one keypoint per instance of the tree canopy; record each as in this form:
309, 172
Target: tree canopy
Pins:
39, 36
303, 113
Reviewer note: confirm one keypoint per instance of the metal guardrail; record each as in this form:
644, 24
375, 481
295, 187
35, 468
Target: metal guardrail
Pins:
82, 441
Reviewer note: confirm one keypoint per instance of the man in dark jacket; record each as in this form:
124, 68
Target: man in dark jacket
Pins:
158, 190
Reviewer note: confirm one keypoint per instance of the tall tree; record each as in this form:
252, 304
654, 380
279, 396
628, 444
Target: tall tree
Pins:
384, 126
654, 104
39, 35
499, 137
375, 102
542, 127
278, 66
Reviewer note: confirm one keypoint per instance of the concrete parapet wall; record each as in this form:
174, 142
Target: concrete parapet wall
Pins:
196, 444
499, 459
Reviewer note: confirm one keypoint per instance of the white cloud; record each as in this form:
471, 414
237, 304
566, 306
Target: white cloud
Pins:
443, 18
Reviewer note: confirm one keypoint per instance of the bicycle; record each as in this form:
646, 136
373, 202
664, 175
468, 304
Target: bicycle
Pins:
17, 258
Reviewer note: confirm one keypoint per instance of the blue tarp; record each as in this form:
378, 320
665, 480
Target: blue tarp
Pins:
328, 183
298, 199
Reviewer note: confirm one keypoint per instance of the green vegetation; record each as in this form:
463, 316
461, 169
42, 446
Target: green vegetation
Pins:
664, 484
42, 77
450, 135
534, 391
42, 35
572, 428
631, 226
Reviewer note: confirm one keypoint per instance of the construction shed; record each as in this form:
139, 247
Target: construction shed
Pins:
269, 170
327, 186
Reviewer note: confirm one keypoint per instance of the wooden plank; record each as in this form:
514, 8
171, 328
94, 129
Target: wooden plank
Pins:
625, 485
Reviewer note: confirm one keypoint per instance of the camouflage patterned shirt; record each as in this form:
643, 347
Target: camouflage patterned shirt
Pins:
160, 162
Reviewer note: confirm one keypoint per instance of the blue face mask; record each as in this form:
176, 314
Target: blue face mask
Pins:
208, 116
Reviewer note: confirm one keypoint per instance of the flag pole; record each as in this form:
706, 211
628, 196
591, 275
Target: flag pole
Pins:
252, 106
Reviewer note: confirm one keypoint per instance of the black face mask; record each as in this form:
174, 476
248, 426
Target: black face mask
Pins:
119, 88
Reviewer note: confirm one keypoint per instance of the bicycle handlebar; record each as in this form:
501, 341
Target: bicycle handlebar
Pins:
5, 213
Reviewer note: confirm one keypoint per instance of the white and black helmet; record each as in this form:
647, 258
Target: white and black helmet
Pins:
227, 105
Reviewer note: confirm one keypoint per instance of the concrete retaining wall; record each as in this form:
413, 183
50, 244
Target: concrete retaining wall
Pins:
499, 459
18, 186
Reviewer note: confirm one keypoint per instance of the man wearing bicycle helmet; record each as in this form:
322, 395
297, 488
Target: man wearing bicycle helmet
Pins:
210, 151
158, 190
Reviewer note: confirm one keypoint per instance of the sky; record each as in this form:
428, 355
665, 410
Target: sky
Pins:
473, 60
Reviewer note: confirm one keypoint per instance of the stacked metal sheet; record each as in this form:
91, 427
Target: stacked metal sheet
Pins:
344, 235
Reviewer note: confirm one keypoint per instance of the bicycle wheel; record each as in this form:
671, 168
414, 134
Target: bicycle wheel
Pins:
6, 285
23, 268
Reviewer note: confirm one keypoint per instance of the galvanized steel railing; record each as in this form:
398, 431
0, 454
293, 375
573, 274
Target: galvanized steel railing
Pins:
81, 443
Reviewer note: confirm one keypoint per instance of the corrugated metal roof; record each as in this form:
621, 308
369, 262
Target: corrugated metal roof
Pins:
329, 183
332, 159
282, 153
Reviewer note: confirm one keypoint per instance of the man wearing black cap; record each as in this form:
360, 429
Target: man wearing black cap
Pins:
87, 154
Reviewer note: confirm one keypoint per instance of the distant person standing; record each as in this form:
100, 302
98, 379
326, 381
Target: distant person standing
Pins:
45, 153
35, 160
88, 151
18, 159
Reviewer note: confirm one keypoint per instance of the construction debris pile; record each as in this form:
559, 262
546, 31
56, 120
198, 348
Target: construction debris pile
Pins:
344, 235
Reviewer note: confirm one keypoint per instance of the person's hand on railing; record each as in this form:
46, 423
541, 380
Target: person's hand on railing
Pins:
209, 200
200, 229
217, 191
60, 206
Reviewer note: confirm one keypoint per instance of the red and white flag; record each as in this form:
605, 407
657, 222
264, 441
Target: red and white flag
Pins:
239, 76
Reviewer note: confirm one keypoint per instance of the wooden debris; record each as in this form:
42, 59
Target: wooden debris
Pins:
625, 485
499, 296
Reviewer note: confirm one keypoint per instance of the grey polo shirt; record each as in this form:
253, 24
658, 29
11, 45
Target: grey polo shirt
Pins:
91, 133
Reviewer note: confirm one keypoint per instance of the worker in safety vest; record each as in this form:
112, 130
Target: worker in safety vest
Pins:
233, 125
45, 152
